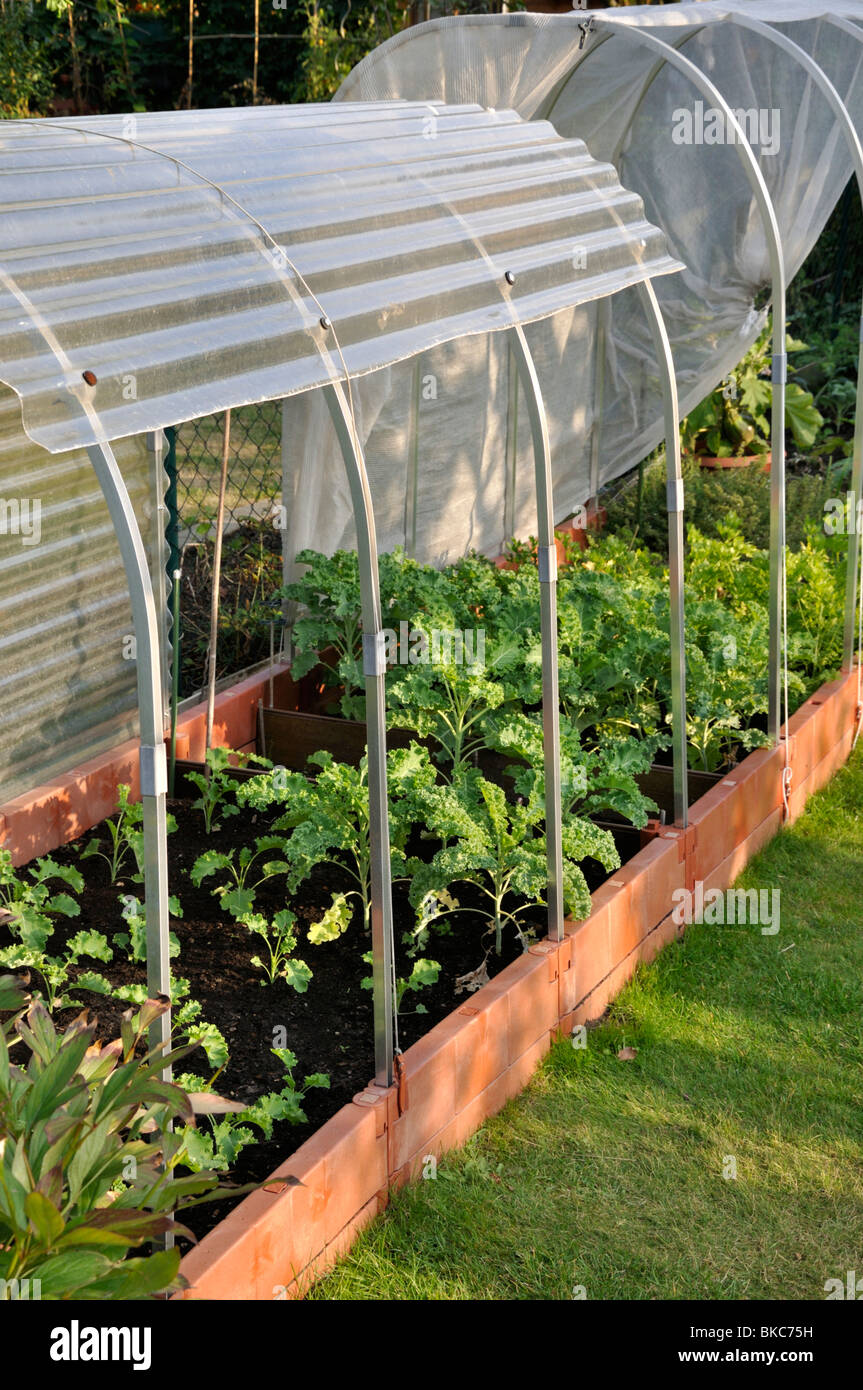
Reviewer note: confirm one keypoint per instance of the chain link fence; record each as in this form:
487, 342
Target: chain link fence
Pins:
251, 572
254, 468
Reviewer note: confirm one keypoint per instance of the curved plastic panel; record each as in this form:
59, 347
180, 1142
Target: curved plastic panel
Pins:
160, 267
68, 684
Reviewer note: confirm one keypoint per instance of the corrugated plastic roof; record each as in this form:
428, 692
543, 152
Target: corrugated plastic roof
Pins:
184, 261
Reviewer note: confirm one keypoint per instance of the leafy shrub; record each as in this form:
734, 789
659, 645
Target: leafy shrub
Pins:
734, 420
499, 847
83, 1177
228, 1135
26, 67
715, 497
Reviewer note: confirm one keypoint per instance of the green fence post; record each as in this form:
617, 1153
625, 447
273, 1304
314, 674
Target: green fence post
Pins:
172, 536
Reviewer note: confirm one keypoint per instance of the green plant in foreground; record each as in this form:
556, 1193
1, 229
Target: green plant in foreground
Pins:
221, 1147
500, 849
126, 836
217, 786
29, 901
87, 1159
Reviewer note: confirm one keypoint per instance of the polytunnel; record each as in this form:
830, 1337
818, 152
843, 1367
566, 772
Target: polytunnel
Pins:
661, 92
158, 268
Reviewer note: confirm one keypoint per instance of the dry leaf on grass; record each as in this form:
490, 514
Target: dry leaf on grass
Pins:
627, 1054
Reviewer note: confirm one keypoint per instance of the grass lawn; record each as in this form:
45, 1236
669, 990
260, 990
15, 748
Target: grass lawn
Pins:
610, 1174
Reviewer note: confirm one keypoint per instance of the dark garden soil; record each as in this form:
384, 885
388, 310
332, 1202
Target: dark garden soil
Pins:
329, 1028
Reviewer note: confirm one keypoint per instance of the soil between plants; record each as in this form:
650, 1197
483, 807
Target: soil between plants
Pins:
329, 1028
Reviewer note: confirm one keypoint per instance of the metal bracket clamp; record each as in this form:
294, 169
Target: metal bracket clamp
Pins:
547, 563
674, 495
374, 654
154, 770
780, 367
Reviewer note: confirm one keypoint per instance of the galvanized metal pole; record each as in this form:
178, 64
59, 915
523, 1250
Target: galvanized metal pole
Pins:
212, 650
412, 472
154, 777
510, 448
674, 494
156, 445
548, 617
778, 377
603, 310
374, 670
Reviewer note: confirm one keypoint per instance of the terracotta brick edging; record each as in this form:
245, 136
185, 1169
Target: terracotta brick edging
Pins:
273, 1245
68, 805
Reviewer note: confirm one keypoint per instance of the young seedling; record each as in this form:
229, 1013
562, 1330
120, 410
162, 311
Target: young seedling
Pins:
186, 1023
280, 939
53, 970
425, 972
126, 838
217, 786
220, 1148
31, 904
135, 940
237, 895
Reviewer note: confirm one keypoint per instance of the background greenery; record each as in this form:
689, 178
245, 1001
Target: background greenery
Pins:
64, 57
824, 319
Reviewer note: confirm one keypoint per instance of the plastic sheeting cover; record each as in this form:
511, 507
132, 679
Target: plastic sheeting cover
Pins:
190, 261
67, 670
597, 366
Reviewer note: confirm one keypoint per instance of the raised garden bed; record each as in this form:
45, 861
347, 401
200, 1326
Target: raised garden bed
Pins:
468, 1065
464, 1058
329, 1028
461, 1059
